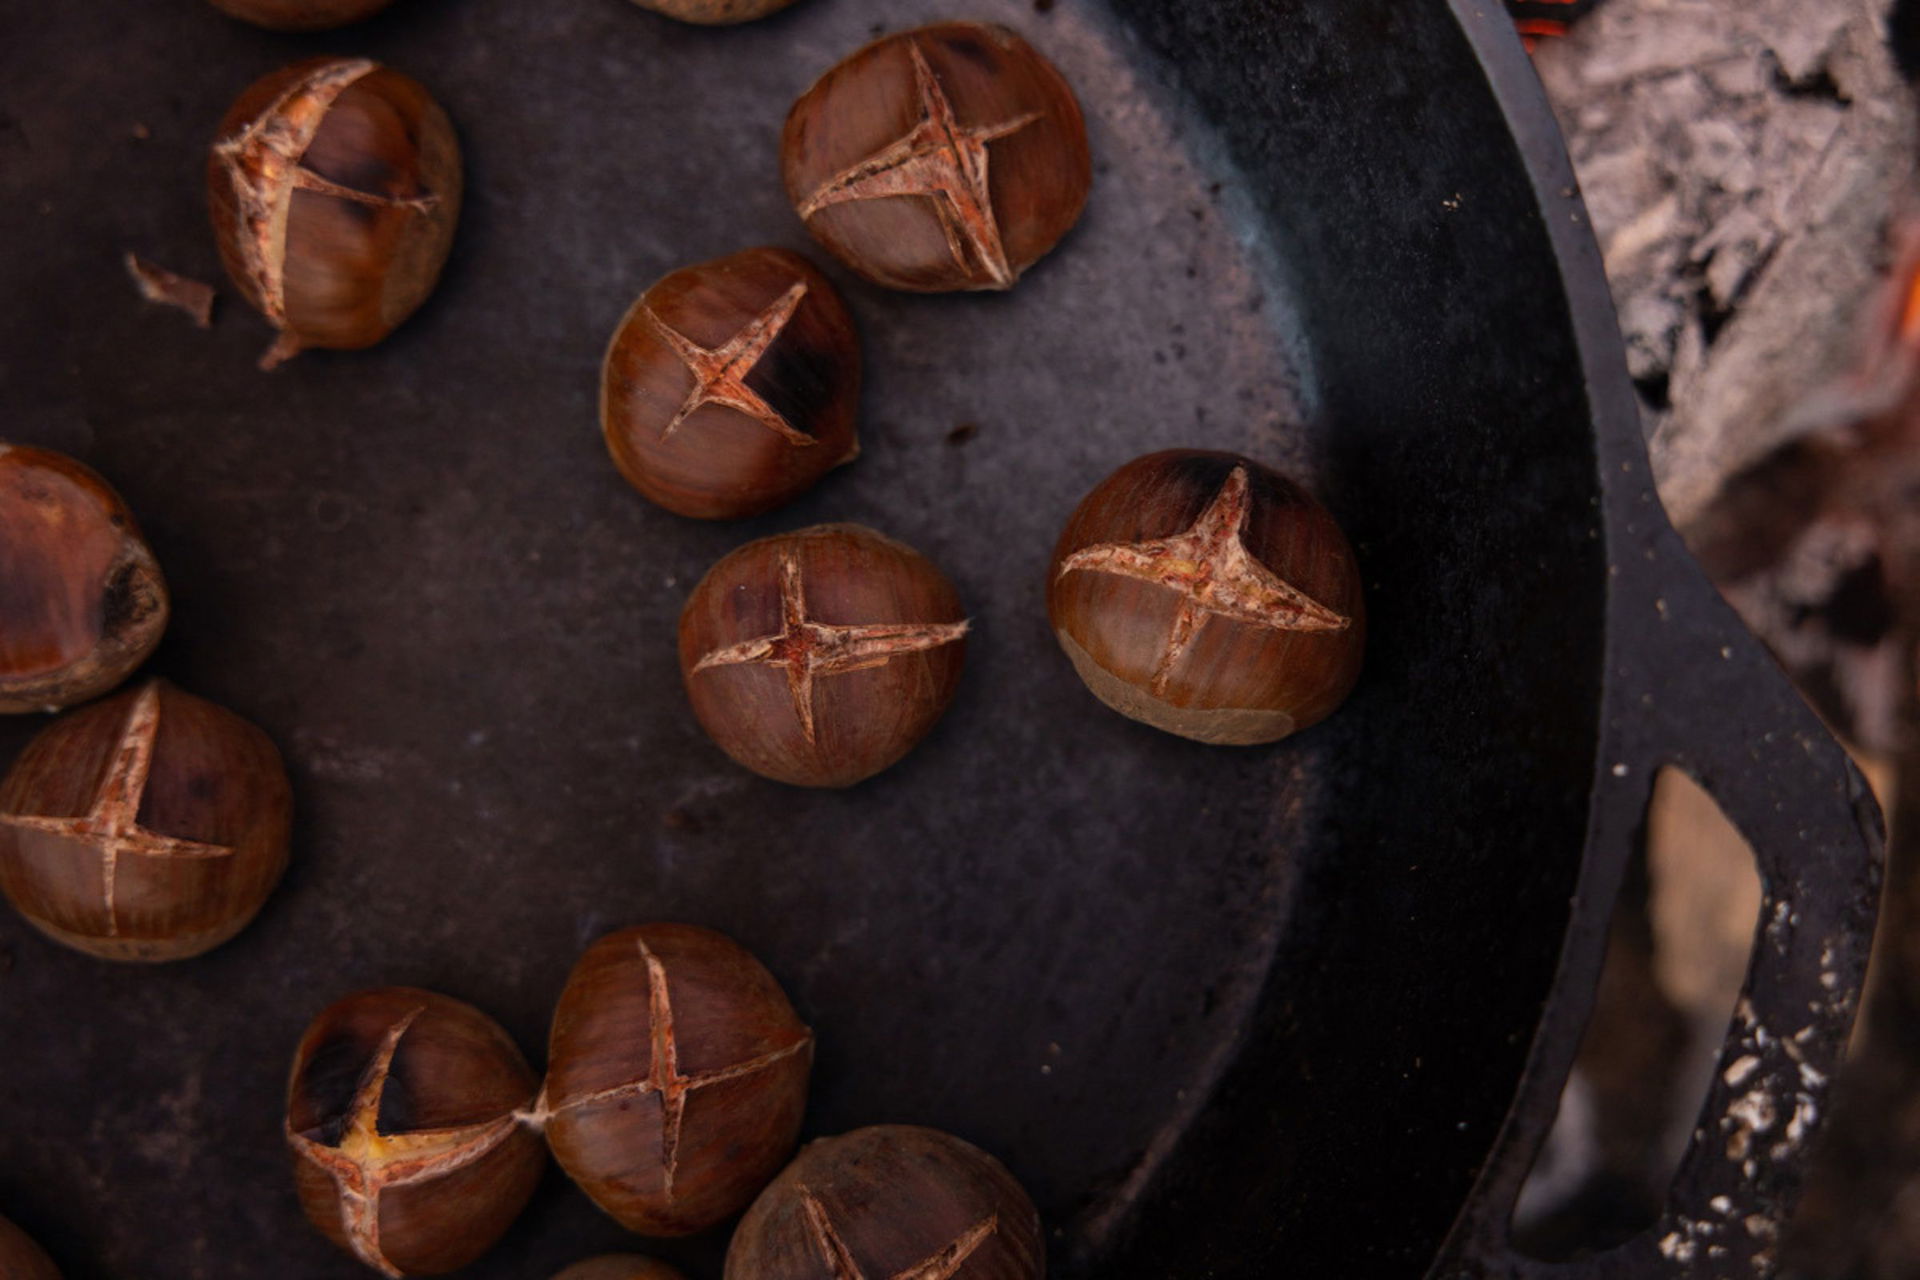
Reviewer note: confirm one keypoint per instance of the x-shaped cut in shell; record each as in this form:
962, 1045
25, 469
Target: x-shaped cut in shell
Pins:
807, 649
1209, 565
366, 1162
265, 162
942, 159
111, 825
720, 374
939, 1265
664, 1079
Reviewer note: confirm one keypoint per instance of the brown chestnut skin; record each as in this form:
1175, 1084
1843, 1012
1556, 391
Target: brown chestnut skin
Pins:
148, 826
949, 157
334, 187
676, 1077
82, 602
1210, 596
714, 13
732, 387
22, 1259
887, 1202
412, 1121
300, 15
619, 1266
821, 657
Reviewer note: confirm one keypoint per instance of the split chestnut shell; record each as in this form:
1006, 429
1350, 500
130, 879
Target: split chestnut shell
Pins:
1209, 596
334, 188
410, 1115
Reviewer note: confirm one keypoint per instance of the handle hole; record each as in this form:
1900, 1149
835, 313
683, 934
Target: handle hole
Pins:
1678, 947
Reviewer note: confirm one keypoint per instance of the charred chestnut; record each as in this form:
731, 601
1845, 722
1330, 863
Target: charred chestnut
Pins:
715, 12
888, 1202
821, 657
1209, 596
334, 187
619, 1266
949, 157
301, 15
148, 826
676, 1077
732, 387
82, 602
411, 1119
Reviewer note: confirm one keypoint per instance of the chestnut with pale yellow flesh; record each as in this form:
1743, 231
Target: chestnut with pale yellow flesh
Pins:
22, 1259
148, 826
301, 15
334, 187
1209, 596
676, 1077
715, 13
82, 602
949, 157
732, 387
892, 1202
415, 1138
821, 657
619, 1266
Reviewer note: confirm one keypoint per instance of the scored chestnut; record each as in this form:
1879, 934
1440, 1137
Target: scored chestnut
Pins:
300, 15
732, 387
334, 188
1209, 596
22, 1259
148, 826
82, 602
411, 1120
821, 657
676, 1077
619, 1266
888, 1202
949, 157
715, 12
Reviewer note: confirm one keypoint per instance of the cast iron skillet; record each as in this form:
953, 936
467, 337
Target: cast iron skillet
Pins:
1225, 1012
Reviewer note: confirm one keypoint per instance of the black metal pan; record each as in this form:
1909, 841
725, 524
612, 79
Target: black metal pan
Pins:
1226, 1012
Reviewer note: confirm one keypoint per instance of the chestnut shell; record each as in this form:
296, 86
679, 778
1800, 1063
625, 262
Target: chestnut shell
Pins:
919, 222
676, 1077
821, 657
300, 15
151, 825
82, 602
802, 391
1179, 657
22, 1259
715, 12
419, 1105
891, 1200
334, 189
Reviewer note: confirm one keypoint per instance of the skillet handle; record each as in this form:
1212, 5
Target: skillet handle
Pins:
1688, 685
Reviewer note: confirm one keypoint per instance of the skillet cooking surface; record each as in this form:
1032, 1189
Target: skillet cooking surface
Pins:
1049, 930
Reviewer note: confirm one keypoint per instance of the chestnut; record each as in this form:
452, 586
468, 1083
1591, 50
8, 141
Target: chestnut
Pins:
414, 1135
676, 1077
1209, 596
148, 826
711, 13
22, 1259
334, 189
949, 157
300, 15
619, 1266
821, 657
732, 387
889, 1203
82, 602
